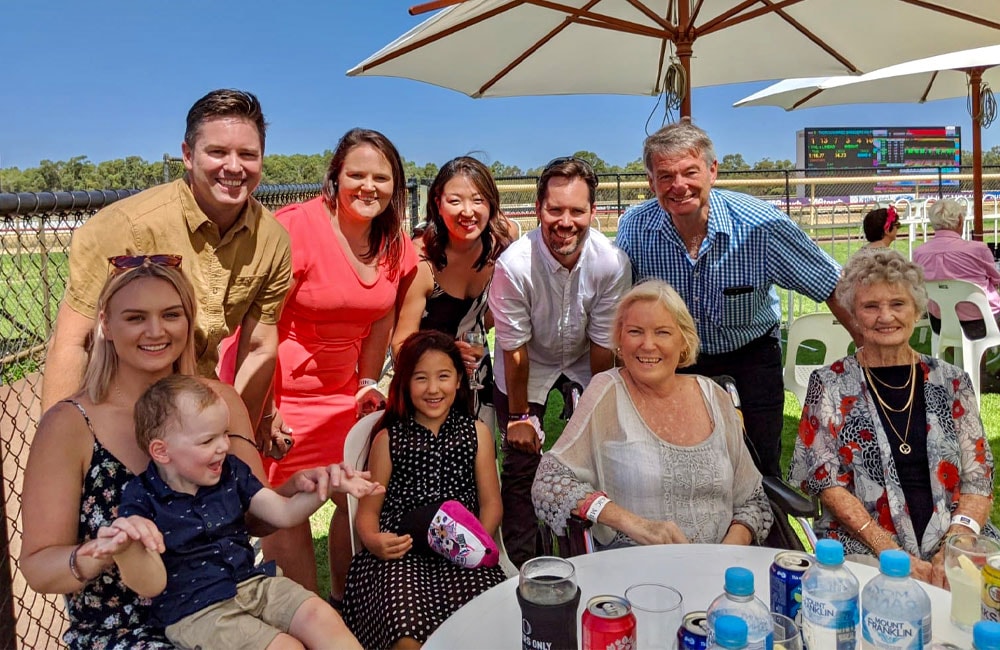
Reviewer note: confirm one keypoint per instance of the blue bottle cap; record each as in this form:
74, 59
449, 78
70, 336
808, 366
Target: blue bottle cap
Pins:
830, 552
730, 631
986, 635
739, 581
894, 563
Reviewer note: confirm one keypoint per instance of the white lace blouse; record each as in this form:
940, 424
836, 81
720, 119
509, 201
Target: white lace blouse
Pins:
607, 446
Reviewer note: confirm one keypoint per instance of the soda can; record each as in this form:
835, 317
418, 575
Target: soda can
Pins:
693, 632
786, 583
991, 589
608, 622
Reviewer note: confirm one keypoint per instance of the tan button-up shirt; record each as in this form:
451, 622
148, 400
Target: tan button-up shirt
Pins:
245, 271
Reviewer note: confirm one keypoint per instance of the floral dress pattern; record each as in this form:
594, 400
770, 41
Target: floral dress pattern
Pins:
842, 443
105, 614
412, 596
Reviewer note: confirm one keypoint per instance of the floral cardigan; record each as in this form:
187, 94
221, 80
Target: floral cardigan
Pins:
842, 443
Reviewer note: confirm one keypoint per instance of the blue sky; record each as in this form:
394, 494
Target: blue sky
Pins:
112, 78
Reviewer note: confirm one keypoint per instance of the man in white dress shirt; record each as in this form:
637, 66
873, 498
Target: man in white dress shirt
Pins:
553, 299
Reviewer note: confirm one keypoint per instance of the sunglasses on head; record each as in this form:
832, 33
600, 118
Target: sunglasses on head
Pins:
125, 262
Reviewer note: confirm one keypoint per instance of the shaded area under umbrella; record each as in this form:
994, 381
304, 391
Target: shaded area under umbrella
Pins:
503, 48
966, 73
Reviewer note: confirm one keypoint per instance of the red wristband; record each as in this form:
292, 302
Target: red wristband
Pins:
589, 501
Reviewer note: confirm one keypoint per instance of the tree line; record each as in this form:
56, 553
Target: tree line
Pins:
79, 173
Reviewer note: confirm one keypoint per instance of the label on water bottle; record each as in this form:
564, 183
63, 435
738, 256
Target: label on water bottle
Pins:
879, 632
829, 624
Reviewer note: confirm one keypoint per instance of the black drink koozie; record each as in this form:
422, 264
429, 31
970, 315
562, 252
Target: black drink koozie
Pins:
549, 627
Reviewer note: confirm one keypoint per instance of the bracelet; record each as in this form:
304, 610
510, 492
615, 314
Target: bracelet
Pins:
73, 567
268, 416
967, 521
594, 511
589, 501
364, 383
518, 417
867, 524
880, 537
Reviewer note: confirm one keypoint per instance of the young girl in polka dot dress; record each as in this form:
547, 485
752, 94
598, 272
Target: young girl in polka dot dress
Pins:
428, 448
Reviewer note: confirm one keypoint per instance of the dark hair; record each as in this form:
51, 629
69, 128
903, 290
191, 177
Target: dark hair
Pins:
385, 240
569, 168
496, 235
874, 224
399, 405
157, 407
225, 103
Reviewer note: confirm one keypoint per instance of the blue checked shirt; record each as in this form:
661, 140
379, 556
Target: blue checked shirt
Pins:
729, 289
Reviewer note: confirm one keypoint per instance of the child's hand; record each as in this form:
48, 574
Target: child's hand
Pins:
137, 529
344, 478
389, 546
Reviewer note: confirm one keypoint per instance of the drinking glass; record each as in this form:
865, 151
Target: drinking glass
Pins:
547, 580
964, 557
658, 615
477, 341
787, 635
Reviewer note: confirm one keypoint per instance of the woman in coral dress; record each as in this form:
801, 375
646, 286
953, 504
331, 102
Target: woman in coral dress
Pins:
350, 261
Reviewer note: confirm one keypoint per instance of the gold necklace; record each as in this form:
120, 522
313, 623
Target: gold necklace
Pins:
904, 447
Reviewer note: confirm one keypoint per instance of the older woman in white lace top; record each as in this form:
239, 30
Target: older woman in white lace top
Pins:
652, 456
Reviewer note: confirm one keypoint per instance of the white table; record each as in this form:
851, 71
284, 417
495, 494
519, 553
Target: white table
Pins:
493, 620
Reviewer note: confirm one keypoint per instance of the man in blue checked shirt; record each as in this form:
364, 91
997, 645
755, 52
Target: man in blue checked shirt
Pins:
724, 252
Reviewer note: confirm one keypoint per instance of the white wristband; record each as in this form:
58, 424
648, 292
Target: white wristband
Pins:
594, 511
364, 383
967, 521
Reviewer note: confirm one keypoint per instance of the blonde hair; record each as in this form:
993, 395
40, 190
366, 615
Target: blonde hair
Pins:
102, 365
660, 292
158, 406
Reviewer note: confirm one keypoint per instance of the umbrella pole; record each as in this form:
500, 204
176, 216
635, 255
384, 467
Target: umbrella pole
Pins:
975, 82
683, 43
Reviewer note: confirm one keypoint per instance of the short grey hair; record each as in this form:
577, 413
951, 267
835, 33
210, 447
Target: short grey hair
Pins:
877, 266
660, 292
946, 214
680, 138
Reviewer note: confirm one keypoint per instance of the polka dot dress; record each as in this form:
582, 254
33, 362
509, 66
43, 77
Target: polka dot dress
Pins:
412, 596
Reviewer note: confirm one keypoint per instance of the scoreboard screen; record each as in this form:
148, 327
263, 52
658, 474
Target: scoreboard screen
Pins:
883, 148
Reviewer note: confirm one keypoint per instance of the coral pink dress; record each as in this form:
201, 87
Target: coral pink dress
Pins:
327, 316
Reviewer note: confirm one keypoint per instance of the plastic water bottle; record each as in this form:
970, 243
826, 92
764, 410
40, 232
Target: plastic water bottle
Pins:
730, 633
986, 635
895, 610
829, 601
738, 600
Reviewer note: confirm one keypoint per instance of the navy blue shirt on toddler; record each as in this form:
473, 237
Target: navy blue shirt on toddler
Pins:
208, 549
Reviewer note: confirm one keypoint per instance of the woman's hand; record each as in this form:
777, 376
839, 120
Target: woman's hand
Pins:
922, 570
938, 576
369, 400
273, 435
116, 538
468, 358
389, 546
525, 435
648, 531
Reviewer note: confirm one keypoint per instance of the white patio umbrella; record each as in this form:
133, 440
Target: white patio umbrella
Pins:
957, 74
502, 48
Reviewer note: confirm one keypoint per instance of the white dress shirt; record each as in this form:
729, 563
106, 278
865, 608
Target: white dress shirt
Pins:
556, 311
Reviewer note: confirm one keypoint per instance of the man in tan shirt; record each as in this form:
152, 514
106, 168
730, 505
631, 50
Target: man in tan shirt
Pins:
234, 252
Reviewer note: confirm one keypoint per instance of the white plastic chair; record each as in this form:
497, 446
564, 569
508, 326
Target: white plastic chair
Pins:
356, 450
819, 326
947, 294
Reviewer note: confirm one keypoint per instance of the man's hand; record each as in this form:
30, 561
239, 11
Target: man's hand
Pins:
523, 436
389, 546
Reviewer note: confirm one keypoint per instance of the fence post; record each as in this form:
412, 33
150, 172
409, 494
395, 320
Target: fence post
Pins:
788, 193
8, 624
618, 191
166, 168
412, 186
940, 184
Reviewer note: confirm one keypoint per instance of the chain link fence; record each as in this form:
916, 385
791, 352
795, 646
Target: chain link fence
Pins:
35, 232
